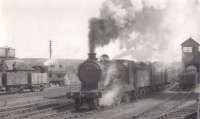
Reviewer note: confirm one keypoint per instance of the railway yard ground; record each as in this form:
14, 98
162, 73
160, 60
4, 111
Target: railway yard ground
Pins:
52, 104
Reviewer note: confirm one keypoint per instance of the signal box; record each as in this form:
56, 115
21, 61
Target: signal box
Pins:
190, 53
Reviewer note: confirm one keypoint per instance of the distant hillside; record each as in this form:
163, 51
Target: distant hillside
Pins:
41, 61
35, 61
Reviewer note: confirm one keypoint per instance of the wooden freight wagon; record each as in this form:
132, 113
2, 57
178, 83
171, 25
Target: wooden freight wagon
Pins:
19, 81
38, 81
17, 78
143, 79
159, 76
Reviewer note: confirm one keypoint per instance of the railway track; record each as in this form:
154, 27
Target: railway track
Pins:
167, 106
180, 114
69, 114
56, 108
32, 110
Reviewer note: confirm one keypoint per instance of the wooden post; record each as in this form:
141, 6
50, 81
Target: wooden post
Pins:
50, 49
198, 107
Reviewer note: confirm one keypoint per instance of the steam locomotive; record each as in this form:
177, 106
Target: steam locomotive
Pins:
135, 80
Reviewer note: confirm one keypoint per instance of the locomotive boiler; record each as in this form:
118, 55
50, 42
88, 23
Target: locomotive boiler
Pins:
89, 73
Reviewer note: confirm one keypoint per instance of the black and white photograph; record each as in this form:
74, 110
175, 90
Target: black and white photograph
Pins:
99, 59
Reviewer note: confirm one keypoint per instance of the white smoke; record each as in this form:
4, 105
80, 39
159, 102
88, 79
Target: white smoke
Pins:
51, 62
113, 86
111, 72
153, 29
111, 96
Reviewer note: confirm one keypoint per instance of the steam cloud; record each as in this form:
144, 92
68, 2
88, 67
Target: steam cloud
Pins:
154, 27
114, 83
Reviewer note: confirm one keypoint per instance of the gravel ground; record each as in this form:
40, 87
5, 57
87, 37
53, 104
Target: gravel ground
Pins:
127, 111
19, 99
144, 107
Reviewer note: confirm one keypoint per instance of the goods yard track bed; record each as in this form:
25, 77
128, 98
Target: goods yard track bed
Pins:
57, 109
19, 99
150, 108
180, 113
171, 105
34, 109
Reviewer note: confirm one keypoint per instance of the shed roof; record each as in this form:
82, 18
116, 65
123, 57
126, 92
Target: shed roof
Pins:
190, 42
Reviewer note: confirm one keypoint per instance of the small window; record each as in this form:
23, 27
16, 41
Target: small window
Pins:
187, 49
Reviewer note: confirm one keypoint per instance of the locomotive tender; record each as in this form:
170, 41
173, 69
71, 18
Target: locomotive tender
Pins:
138, 79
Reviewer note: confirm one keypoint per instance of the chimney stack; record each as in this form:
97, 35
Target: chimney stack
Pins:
92, 56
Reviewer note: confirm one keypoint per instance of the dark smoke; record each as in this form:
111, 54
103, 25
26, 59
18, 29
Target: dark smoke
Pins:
118, 19
146, 29
102, 31
107, 28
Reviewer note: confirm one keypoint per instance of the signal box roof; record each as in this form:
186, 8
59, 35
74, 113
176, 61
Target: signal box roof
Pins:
190, 42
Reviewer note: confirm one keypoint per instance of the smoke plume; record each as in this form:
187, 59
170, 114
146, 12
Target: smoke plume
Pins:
154, 27
102, 31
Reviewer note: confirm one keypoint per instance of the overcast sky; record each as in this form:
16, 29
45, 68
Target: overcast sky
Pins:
28, 25
159, 27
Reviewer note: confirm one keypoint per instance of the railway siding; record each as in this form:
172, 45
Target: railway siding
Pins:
180, 114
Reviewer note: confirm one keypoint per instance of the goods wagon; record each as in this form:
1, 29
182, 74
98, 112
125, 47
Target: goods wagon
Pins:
12, 82
16, 78
159, 76
143, 79
131, 80
38, 81
38, 78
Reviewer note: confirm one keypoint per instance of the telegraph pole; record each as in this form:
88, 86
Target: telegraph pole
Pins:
50, 49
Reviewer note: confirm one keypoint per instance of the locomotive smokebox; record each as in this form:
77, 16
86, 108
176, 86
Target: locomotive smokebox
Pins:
92, 56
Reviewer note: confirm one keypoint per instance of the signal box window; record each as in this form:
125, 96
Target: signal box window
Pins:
187, 49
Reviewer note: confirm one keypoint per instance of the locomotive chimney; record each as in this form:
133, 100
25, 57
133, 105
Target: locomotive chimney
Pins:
92, 56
